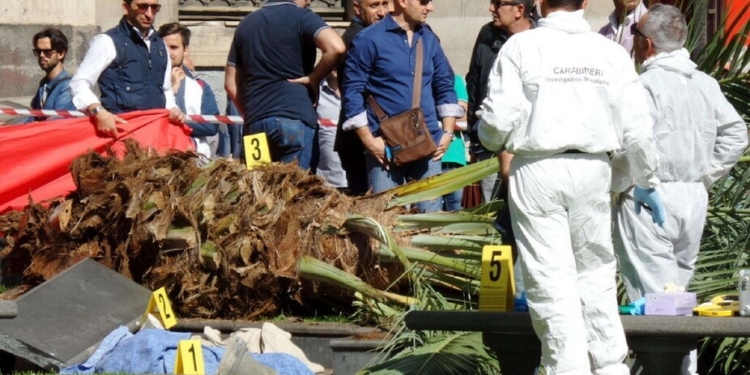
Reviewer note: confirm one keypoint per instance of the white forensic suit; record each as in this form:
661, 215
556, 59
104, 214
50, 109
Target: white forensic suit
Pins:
699, 137
560, 98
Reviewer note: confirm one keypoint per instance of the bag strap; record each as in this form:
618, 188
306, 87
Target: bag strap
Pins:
64, 79
416, 93
376, 108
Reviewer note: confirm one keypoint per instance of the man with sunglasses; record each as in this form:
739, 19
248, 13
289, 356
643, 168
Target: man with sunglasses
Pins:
699, 137
561, 98
508, 18
381, 63
131, 65
50, 48
625, 15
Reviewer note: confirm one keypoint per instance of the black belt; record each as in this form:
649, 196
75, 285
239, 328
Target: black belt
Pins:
576, 151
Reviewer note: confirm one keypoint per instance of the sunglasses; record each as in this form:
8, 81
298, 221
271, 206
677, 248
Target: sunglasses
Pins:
143, 8
424, 2
634, 30
497, 3
46, 52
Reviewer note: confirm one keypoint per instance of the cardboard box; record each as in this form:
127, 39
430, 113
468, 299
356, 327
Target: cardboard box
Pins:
680, 303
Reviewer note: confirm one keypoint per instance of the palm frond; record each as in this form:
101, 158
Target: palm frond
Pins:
437, 186
452, 354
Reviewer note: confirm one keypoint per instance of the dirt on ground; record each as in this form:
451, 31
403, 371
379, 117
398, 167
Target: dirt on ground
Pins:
223, 240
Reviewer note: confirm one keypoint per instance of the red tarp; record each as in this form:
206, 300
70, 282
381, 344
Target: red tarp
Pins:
734, 11
36, 157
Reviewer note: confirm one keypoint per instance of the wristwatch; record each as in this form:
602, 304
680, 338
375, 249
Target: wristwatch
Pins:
450, 134
96, 110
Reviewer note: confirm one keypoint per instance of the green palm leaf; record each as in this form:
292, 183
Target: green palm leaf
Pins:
453, 354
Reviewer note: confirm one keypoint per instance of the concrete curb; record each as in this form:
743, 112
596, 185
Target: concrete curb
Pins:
8, 309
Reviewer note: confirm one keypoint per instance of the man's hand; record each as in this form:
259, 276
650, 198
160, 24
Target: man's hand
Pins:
106, 123
649, 198
176, 116
177, 75
376, 148
313, 87
445, 141
505, 158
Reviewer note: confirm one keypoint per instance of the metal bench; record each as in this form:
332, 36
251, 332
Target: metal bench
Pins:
8, 309
660, 342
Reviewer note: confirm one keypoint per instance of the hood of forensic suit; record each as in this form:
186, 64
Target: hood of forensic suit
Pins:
677, 61
569, 22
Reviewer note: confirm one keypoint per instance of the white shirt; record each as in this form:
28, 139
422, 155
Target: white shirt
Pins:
100, 55
620, 32
193, 105
562, 87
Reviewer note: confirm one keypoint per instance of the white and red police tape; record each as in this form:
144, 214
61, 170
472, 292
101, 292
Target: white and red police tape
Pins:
49, 112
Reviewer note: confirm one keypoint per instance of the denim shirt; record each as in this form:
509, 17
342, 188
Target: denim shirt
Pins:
59, 98
381, 63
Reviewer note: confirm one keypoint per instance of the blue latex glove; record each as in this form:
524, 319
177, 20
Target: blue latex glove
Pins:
639, 307
650, 198
520, 304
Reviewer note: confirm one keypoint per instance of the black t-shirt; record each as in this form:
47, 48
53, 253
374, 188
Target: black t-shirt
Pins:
270, 46
488, 44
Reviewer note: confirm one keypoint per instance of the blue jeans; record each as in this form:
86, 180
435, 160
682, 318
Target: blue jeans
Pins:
491, 183
452, 200
382, 179
288, 140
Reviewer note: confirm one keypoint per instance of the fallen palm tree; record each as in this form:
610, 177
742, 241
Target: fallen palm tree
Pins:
225, 242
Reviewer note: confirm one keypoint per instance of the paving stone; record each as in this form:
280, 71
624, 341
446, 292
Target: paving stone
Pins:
8, 309
67, 315
351, 355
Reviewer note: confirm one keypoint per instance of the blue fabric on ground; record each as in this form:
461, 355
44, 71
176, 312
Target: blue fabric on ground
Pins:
104, 348
153, 351
284, 364
150, 351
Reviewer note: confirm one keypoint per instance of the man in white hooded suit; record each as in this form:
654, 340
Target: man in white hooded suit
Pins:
562, 97
699, 137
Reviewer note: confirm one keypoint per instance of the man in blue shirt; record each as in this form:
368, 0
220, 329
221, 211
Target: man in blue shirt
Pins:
381, 62
50, 48
272, 78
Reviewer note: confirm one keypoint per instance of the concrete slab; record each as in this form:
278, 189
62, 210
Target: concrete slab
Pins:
659, 342
70, 313
351, 355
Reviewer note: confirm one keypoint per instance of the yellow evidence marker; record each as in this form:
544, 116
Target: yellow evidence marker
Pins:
256, 150
497, 286
160, 302
189, 358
